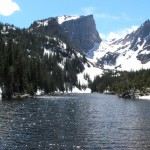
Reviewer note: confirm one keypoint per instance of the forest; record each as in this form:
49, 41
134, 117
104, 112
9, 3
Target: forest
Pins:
121, 81
24, 67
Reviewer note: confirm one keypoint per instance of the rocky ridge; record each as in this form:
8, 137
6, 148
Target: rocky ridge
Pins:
129, 53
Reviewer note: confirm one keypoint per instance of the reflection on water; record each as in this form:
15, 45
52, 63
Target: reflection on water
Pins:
79, 121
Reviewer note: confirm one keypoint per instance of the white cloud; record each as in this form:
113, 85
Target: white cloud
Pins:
126, 17
120, 33
103, 15
102, 35
8, 7
92, 10
108, 16
113, 35
88, 10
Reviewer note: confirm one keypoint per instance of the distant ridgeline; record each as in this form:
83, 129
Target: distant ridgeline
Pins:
40, 57
131, 52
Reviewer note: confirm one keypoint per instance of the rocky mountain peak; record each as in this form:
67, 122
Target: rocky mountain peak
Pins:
79, 30
82, 32
146, 23
131, 52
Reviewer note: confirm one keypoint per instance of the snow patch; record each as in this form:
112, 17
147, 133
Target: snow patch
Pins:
76, 90
61, 65
63, 45
47, 51
145, 97
42, 23
91, 71
0, 93
67, 18
39, 92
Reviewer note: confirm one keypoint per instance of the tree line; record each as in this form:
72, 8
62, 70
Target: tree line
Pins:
24, 67
121, 81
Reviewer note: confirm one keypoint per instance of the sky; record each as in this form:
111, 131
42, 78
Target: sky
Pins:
112, 17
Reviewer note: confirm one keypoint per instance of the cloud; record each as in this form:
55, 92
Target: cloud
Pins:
120, 33
92, 10
88, 10
123, 16
8, 7
102, 35
108, 16
126, 17
114, 35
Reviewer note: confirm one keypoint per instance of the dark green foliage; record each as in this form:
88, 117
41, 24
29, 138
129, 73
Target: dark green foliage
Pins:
24, 67
122, 81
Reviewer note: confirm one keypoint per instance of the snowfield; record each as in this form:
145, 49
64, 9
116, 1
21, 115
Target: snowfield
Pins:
91, 71
76, 90
127, 59
145, 97
67, 18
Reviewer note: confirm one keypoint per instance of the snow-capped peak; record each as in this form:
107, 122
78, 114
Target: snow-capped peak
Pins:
130, 51
120, 34
66, 18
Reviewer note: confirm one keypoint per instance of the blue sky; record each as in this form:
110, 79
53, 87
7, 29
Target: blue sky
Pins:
110, 15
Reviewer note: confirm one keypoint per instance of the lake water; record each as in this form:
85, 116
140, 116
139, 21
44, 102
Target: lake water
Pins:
74, 122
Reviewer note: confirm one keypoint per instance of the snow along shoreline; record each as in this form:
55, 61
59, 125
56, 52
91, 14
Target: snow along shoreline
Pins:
144, 97
0, 93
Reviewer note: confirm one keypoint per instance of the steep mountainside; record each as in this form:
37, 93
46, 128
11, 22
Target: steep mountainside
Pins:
81, 31
53, 27
37, 58
129, 53
41, 57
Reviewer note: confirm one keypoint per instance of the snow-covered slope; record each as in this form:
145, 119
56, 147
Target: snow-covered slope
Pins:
0, 93
91, 72
129, 53
120, 56
64, 31
62, 19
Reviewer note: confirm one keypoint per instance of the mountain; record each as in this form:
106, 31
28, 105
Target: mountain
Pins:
44, 57
76, 31
81, 31
65, 53
126, 64
32, 60
129, 53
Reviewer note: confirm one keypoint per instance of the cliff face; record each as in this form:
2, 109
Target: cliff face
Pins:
82, 32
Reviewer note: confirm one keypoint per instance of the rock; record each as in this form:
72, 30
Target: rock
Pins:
108, 59
82, 32
126, 95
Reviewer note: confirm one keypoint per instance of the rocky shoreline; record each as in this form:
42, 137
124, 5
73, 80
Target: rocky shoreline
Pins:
130, 94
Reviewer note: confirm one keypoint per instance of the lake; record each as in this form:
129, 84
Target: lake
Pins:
74, 122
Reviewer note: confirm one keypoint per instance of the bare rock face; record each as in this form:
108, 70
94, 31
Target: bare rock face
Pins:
82, 32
